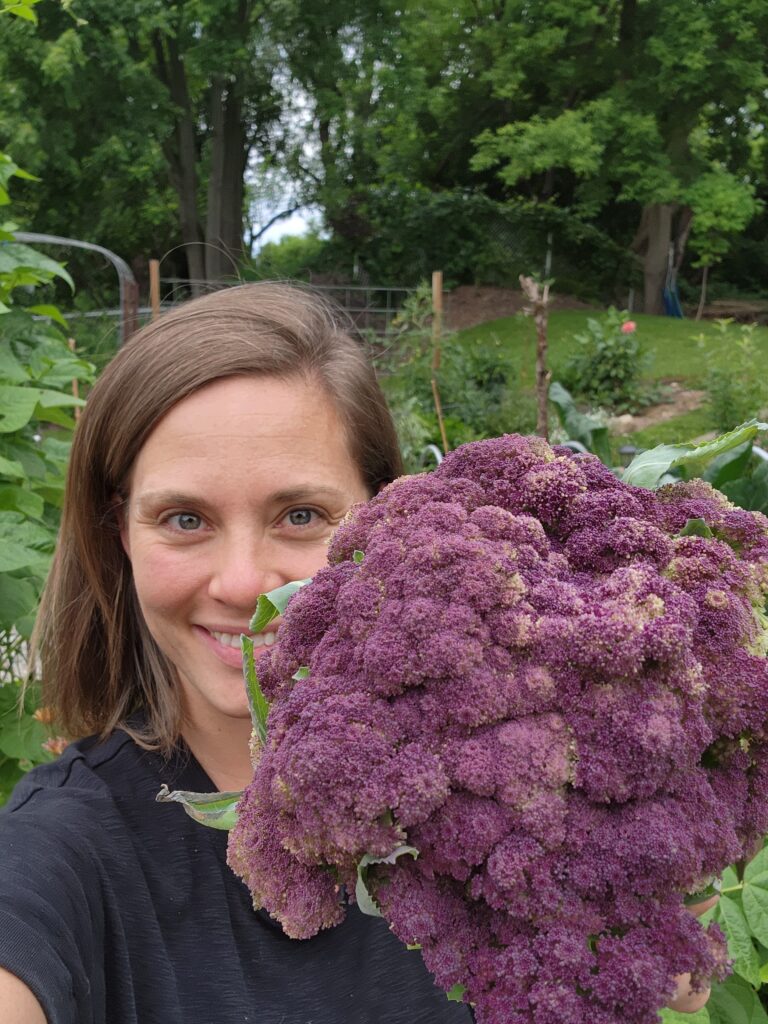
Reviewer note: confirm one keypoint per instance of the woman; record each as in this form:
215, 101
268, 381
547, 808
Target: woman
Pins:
215, 457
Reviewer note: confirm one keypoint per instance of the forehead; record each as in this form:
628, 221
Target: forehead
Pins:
248, 425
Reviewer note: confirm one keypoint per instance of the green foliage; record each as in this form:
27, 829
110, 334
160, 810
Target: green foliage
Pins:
293, 258
735, 387
589, 431
723, 204
37, 370
480, 388
607, 367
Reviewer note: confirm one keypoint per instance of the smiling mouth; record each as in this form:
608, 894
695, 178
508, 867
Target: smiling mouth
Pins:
233, 639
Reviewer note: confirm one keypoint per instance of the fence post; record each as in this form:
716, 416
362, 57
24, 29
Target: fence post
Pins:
437, 330
154, 287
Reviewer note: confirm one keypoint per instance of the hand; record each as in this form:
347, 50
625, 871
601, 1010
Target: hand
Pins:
685, 1000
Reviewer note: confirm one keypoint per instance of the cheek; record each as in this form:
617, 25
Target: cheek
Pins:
162, 580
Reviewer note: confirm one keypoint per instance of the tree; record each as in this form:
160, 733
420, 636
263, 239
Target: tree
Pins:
191, 92
617, 105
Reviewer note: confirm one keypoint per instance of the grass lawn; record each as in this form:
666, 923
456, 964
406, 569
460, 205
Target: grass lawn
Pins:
674, 346
680, 350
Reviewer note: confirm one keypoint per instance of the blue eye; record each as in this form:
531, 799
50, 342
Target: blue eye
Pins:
186, 521
300, 517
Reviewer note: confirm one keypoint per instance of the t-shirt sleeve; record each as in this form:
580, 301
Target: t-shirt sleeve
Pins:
51, 914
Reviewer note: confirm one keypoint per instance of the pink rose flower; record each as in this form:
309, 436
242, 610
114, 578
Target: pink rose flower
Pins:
628, 327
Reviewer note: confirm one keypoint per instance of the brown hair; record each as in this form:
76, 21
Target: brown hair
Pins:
99, 662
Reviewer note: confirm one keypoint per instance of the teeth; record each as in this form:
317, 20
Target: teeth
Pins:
233, 639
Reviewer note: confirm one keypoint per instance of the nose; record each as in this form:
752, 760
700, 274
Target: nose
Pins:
244, 568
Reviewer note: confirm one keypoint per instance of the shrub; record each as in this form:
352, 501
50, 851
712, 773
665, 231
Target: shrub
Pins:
608, 365
736, 391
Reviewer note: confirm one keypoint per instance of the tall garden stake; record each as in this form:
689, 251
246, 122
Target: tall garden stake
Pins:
437, 330
537, 294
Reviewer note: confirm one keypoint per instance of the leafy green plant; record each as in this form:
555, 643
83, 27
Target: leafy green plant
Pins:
608, 365
37, 370
735, 389
588, 430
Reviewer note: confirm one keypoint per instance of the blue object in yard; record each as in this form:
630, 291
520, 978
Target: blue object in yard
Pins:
671, 295
672, 305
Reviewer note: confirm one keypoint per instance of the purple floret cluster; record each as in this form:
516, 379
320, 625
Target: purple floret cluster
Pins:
553, 688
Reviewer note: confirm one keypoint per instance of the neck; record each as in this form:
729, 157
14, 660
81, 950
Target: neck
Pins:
222, 751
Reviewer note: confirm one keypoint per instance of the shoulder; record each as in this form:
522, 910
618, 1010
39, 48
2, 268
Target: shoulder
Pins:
82, 773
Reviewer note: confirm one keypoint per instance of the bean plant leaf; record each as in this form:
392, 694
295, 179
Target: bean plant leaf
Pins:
17, 407
735, 1002
758, 865
365, 901
16, 255
257, 702
647, 468
673, 1017
22, 736
740, 946
755, 902
271, 605
217, 810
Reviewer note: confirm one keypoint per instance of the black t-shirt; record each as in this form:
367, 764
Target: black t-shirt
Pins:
115, 909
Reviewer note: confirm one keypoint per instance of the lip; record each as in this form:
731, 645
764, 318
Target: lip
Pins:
230, 655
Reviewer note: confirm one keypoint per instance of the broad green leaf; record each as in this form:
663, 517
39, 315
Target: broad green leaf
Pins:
11, 370
12, 469
646, 469
18, 599
21, 499
735, 1002
758, 865
273, 604
365, 901
456, 994
302, 672
15, 255
588, 430
17, 406
257, 702
50, 311
695, 528
22, 737
750, 492
728, 466
740, 946
217, 810
754, 897
22, 544
673, 1017
358, 556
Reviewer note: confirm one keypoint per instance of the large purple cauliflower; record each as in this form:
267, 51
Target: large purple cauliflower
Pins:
550, 684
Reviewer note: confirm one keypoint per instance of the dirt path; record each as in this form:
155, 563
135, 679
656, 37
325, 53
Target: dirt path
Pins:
680, 400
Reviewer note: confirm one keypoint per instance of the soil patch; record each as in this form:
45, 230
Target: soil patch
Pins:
679, 400
470, 305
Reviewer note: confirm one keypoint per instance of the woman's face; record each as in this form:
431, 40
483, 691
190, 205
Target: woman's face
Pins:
237, 490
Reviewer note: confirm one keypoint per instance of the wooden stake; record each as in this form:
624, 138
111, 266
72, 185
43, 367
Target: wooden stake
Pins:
75, 382
154, 287
538, 297
437, 330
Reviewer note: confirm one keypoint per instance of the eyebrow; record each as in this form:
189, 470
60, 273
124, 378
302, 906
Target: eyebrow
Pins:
302, 492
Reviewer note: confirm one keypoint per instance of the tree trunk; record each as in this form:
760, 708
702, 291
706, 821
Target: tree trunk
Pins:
229, 155
703, 295
652, 240
181, 154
